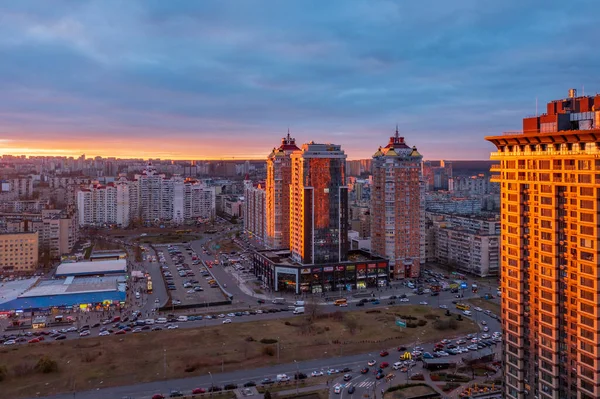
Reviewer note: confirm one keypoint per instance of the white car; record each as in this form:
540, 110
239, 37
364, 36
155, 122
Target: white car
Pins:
404, 300
443, 353
161, 320
182, 318
84, 333
483, 323
423, 303
227, 321
172, 327
156, 300
221, 316
372, 362
103, 333
10, 342
316, 374
443, 306
337, 389
137, 330
149, 321
477, 308
259, 311
486, 329
230, 314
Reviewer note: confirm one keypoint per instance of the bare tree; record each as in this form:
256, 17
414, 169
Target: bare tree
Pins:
313, 310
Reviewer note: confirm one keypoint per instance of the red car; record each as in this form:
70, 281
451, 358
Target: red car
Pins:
121, 332
158, 396
384, 365
33, 341
198, 390
383, 353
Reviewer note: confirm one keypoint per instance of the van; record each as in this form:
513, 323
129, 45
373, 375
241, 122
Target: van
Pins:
299, 310
278, 300
182, 318
341, 302
282, 378
299, 303
397, 365
467, 313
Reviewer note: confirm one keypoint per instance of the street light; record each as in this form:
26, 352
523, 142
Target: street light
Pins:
212, 384
277, 349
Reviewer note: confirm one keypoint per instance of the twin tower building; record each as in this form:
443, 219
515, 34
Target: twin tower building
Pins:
305, 223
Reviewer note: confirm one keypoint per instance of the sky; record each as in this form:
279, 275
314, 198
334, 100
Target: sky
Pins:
226, 79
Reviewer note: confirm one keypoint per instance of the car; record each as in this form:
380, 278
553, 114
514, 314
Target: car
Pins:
197, 391
59, 338
384, 365
227, 321
230, 314
337, 388
423, 303
267, 381
351, 389
477, 308
316, 374
375, 302
300, 376
250, 384
33, 341
372, 362
12, 341
383, 353
121, 332
360, 304
175, 394
443, 306
103, 333
364, 371
84, 333
379, 376
229, 387
486, 329
404, 300
158, 396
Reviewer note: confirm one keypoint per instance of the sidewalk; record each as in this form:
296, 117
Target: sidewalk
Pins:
293, 391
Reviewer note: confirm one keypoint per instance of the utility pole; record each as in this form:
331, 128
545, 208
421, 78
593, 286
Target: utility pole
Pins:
297, 375
165, 362
277, 349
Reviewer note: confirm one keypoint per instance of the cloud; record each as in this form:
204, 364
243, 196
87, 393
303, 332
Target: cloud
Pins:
213, 75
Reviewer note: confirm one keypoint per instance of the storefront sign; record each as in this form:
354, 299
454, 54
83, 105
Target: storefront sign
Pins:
350, 268
287, 270
317, 270
362, 267
372, 266
382, 265
305, 271
339, 268
328, 269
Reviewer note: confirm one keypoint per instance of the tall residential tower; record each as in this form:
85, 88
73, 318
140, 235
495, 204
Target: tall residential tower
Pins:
319, 204
396, 207
550, 190
277, 187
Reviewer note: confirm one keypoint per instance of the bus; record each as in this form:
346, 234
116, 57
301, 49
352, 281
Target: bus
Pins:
340, 302
149, 285
462, 306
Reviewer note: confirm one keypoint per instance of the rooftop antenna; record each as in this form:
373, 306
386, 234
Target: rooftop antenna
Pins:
582, 90
288, 136
396, 130
536, 107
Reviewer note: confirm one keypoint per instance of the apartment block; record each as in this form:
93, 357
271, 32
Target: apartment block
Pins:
550, 186
319, 204
397, 210
255, 209
18, 252
277, 187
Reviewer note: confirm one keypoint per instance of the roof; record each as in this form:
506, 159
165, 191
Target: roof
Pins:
69, 300
73, 285
98, 267
10, 290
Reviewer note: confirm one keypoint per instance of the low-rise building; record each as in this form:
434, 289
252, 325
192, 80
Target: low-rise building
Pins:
19, 252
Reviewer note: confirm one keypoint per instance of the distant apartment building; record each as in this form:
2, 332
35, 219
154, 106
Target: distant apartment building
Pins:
360, 220
445, 202
474, 185
18, 252
277, 188
233, 206
22, 186
438, 177
255, 209
467, 244
148, 198
27, 206
58, 230
396, 207
318, 204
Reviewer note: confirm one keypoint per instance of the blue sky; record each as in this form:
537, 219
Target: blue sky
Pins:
212, 79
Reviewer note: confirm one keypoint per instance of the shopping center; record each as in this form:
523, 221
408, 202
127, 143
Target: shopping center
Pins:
361, 271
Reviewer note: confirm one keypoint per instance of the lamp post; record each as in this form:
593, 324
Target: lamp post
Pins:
277, 349
212, 384
223, 357
297, 375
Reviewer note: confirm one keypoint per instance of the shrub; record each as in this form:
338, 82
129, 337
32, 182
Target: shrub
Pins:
430, 316
249, 339
421, 323
287, 323
268, 351
268, 341
417, 377
404, 386
46, 365
3, 373
411, 325
23, 369
447, 324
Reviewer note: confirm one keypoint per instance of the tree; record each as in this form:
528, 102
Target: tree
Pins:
312, 310
138, 253
267, 395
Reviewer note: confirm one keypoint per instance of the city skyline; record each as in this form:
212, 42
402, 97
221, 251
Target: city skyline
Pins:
220, 81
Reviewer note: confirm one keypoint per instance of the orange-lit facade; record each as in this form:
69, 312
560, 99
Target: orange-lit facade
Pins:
396, 207
279, 178
550, 190
319, 204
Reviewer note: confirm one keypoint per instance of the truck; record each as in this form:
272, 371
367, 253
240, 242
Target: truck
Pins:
299, 310
299, 303
278, 300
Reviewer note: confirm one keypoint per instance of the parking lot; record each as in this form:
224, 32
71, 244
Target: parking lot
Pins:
188, 281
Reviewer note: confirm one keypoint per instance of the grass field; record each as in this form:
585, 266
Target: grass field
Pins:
486, 304
127, 359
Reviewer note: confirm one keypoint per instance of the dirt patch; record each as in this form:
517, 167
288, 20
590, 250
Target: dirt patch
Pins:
130, 359
409, 392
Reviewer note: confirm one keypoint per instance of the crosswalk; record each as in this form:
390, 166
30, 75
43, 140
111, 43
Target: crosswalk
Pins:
360, 384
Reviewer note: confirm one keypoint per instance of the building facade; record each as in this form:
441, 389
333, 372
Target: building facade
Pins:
255, 210
396, 207
318, 204
18, 252
277, 191
550, 187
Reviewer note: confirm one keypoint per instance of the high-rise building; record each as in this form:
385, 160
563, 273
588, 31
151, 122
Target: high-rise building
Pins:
396, 207
18, 252
279, 179
319, 204
255, 207
550, 189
